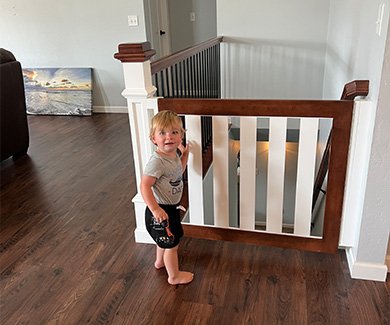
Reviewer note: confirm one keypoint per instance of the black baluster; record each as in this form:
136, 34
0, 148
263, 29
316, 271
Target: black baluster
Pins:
180, 79
176, 81
162, 83
167, 82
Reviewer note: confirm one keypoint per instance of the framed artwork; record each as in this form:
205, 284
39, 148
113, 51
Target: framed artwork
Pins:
58, 91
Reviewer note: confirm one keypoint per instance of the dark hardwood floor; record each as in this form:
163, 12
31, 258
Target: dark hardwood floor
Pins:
68, 256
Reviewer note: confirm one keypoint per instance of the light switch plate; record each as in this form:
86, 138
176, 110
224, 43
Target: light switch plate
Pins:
132, 20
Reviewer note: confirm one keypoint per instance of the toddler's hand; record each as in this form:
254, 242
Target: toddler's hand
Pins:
185, 149
160, 215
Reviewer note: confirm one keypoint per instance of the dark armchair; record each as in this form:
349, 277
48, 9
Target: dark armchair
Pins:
13, 116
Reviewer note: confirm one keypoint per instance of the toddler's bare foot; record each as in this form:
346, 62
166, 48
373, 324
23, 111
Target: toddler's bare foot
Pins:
182, 278
159, 265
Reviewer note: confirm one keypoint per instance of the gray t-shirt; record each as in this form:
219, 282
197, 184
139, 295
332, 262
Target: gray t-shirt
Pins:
168, 173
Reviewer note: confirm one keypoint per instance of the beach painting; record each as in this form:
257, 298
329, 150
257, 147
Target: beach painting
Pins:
58, 91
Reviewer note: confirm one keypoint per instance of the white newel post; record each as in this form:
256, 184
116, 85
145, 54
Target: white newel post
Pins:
138, 92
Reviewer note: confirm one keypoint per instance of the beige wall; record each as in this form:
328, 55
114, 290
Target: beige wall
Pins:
73, 33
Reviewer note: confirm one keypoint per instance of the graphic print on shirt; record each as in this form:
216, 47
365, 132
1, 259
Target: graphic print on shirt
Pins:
177, 186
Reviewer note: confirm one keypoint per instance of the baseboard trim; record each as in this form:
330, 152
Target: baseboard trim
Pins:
142, 236
109, 109
365, 271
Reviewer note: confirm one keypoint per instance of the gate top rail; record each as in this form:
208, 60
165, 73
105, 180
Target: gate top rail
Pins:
258, 107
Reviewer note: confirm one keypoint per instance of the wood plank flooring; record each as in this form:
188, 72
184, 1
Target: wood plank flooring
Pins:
68, 256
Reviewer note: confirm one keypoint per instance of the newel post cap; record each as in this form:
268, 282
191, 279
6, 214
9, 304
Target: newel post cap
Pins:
134, 52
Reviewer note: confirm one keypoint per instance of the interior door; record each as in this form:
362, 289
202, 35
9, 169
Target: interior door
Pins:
157, 26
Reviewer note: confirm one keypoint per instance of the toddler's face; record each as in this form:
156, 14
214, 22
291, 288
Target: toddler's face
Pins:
167, 140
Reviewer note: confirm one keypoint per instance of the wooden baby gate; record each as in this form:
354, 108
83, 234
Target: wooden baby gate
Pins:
309, 112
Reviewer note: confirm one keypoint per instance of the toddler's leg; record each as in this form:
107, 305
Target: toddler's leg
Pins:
159, 263
175, 276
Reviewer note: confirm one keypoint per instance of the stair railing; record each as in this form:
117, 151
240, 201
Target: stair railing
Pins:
139, 91
194, 72
190, 73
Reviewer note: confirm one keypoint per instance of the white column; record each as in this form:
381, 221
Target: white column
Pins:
357, 170
141, 107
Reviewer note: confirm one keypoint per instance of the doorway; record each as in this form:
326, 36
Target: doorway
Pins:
157, 26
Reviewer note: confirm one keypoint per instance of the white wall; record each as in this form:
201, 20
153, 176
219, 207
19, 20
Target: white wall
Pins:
186, 33
205, 24
182, 35
72, 33
375, 227
355, 51
275, 48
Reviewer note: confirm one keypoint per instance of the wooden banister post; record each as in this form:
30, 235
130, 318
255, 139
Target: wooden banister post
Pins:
136, 68
138, 92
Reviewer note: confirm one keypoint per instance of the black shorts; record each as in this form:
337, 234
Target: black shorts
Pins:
165, 234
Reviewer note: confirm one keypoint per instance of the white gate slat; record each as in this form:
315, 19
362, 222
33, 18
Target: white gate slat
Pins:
275, 177
148, 109
194, 170
221, 170
247, 172
305, 175
136, 142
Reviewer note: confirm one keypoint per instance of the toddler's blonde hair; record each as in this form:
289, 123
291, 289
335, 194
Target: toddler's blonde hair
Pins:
165, 119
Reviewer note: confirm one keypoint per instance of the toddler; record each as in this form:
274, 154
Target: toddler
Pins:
161, 188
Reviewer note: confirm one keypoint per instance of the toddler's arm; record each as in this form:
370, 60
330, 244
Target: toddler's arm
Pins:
184, 154
146, 190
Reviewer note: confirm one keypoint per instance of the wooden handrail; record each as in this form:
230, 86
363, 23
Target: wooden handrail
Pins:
350, 92
354, 89
179, 56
